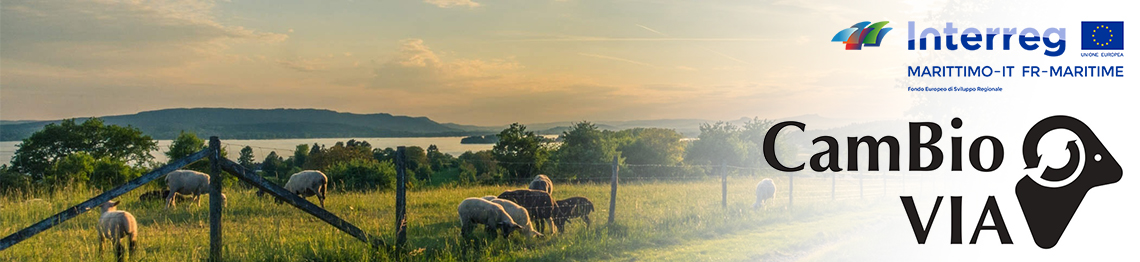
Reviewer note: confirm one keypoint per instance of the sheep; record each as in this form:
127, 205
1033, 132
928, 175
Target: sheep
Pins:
538, 204
542, 183
764, 190
474, 210
116, 224
308, 183
187, 182
572, 208
518, 214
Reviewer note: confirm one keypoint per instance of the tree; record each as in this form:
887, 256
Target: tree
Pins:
10, 181
74, 168
520, 152
585, 152
386, 154
362, 174
186, 144
315, 149
439, 161
467, 173
272, 163
301, 155
717, 143
110, 173
486, 167
246, 158
752, 135
37, 153
82, 168
336, 154
651, 146
415, 157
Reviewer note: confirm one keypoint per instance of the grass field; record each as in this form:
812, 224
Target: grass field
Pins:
681, 221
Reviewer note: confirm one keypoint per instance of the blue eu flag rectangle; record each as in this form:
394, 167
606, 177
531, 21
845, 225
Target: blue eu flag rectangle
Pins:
1100, 35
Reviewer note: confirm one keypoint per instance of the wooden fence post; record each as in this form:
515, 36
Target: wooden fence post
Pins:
215, 199
401, 200
723, 183
613, 190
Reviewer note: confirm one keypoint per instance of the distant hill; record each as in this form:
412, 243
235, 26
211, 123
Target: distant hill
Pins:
687, 127
231, 123
260, 124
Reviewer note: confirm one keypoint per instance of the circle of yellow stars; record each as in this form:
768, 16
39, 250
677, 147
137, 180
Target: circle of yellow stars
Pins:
1110, 35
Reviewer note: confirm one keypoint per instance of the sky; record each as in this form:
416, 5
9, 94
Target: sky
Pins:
481, 62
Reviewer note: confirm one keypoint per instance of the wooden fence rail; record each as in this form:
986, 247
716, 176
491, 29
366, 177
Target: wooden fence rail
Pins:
280, 193
76, 210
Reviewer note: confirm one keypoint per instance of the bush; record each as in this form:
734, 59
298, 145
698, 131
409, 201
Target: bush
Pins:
362, 174
109, 173
12, 181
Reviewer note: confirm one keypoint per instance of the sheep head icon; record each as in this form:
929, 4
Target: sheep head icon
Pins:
1050, 202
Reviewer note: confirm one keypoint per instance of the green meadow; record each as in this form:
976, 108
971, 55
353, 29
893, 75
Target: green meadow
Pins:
655, 221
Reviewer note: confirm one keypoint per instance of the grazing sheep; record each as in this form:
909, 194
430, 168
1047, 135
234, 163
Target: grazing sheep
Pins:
308, 183
117, 224
573, 207
542, 183
518, 214
187, 182
764, 190
475, 210
538, 204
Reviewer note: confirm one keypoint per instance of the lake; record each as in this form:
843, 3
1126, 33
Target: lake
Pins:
285, 147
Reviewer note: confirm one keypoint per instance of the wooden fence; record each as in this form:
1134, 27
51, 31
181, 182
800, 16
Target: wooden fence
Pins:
219, 164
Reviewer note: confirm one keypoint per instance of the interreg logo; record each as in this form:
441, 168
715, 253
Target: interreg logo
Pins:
860, 34
973, 38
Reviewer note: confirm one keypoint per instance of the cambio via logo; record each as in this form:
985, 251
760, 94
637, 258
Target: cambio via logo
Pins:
1049, 205
1049, 195
860, 34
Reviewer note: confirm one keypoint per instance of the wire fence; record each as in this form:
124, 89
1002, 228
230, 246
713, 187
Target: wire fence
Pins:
796, 188
804, 186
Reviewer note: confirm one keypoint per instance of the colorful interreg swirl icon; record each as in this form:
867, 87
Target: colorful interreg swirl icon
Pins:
860, 34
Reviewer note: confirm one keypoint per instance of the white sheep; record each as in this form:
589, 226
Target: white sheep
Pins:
188, 182
308, 183
518, 214
542, 183
474, 210
764, 190
117, 224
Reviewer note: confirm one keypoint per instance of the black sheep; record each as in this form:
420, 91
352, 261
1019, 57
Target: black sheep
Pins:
572, 208
538, 203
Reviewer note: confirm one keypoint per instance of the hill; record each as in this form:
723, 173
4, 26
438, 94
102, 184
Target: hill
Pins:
259, 124
281, 123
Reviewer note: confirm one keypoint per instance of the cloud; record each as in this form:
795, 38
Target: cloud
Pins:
452, 3
417, 67
302, 65
116, 34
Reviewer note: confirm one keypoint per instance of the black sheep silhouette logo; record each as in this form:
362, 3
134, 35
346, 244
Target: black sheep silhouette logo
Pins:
1048, 210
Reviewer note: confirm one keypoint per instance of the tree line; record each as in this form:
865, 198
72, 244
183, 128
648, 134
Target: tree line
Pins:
96, 155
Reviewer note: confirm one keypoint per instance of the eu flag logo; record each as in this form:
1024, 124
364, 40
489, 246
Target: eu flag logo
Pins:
1102, 35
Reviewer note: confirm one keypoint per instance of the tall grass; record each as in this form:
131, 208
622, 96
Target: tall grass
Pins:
649, 215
